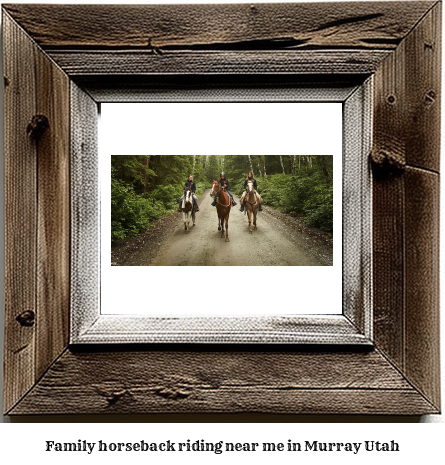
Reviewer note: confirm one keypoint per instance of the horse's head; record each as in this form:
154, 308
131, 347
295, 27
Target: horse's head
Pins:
215, 188
187, 194
250, 186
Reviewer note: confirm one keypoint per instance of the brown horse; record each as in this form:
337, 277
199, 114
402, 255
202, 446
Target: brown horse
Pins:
223, 206
251, 205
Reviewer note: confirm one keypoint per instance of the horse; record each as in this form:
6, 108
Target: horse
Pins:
188, 209
251, 205
223, 206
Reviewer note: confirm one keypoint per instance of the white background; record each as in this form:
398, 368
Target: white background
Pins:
23, 442
229, 129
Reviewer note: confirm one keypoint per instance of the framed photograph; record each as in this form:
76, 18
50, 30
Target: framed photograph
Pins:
360, 335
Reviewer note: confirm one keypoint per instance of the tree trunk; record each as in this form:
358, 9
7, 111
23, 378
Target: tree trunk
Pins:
264, 165
321, 161
250, 163
147, 164
292, 166
282, 164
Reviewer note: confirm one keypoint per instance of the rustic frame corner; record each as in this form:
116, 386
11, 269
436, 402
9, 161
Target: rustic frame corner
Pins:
51, 68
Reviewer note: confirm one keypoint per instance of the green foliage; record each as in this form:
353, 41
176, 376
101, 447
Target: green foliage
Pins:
130, 213
201, 187
274, 189
167, 195
145, 187
306, 194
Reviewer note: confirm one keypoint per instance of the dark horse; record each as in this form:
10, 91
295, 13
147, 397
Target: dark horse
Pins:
223, 206
188, 209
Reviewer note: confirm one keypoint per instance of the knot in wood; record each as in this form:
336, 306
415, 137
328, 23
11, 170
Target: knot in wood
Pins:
112, 394
173, 393
387, 163
115, 396
37, 126
26, 318
430, 97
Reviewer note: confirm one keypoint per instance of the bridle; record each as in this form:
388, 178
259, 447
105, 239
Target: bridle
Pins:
217, 193
250, 191
187, 195
213, 189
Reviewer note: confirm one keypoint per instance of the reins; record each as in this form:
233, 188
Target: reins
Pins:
253, 193
217, 201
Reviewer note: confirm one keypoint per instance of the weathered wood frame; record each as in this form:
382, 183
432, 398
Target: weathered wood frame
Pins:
90, 323
99, 50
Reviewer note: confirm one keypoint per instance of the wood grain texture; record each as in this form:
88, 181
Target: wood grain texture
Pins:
85, 209
20, 211
388, 200
100, 63
407, 114
423, 91
357, 209
422, 364
215, 87
398, 42
109, 329
342, 25
53, 235
217, 382
406, 132
388, 268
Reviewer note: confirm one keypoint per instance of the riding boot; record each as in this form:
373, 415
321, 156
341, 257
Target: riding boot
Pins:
196, 207
214, 201
241, 208
233, 202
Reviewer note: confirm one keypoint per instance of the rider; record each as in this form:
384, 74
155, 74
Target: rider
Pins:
190, 183
258, 196
224, 183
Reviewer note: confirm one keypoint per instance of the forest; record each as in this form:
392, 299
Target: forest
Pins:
146, 187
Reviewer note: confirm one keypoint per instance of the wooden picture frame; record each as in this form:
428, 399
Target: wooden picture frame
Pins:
59, 67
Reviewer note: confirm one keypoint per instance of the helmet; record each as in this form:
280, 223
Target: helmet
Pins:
222, 174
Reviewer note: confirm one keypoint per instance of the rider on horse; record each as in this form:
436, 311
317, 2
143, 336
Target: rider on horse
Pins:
258, 196
191, 184
224, 183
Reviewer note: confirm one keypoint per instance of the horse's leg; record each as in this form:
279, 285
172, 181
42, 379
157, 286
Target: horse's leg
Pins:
184, 218
227, 226
222, 226
219, 223
249, 216
194, 217
254, 217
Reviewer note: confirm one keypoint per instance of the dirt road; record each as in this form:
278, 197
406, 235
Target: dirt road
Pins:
273, 243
